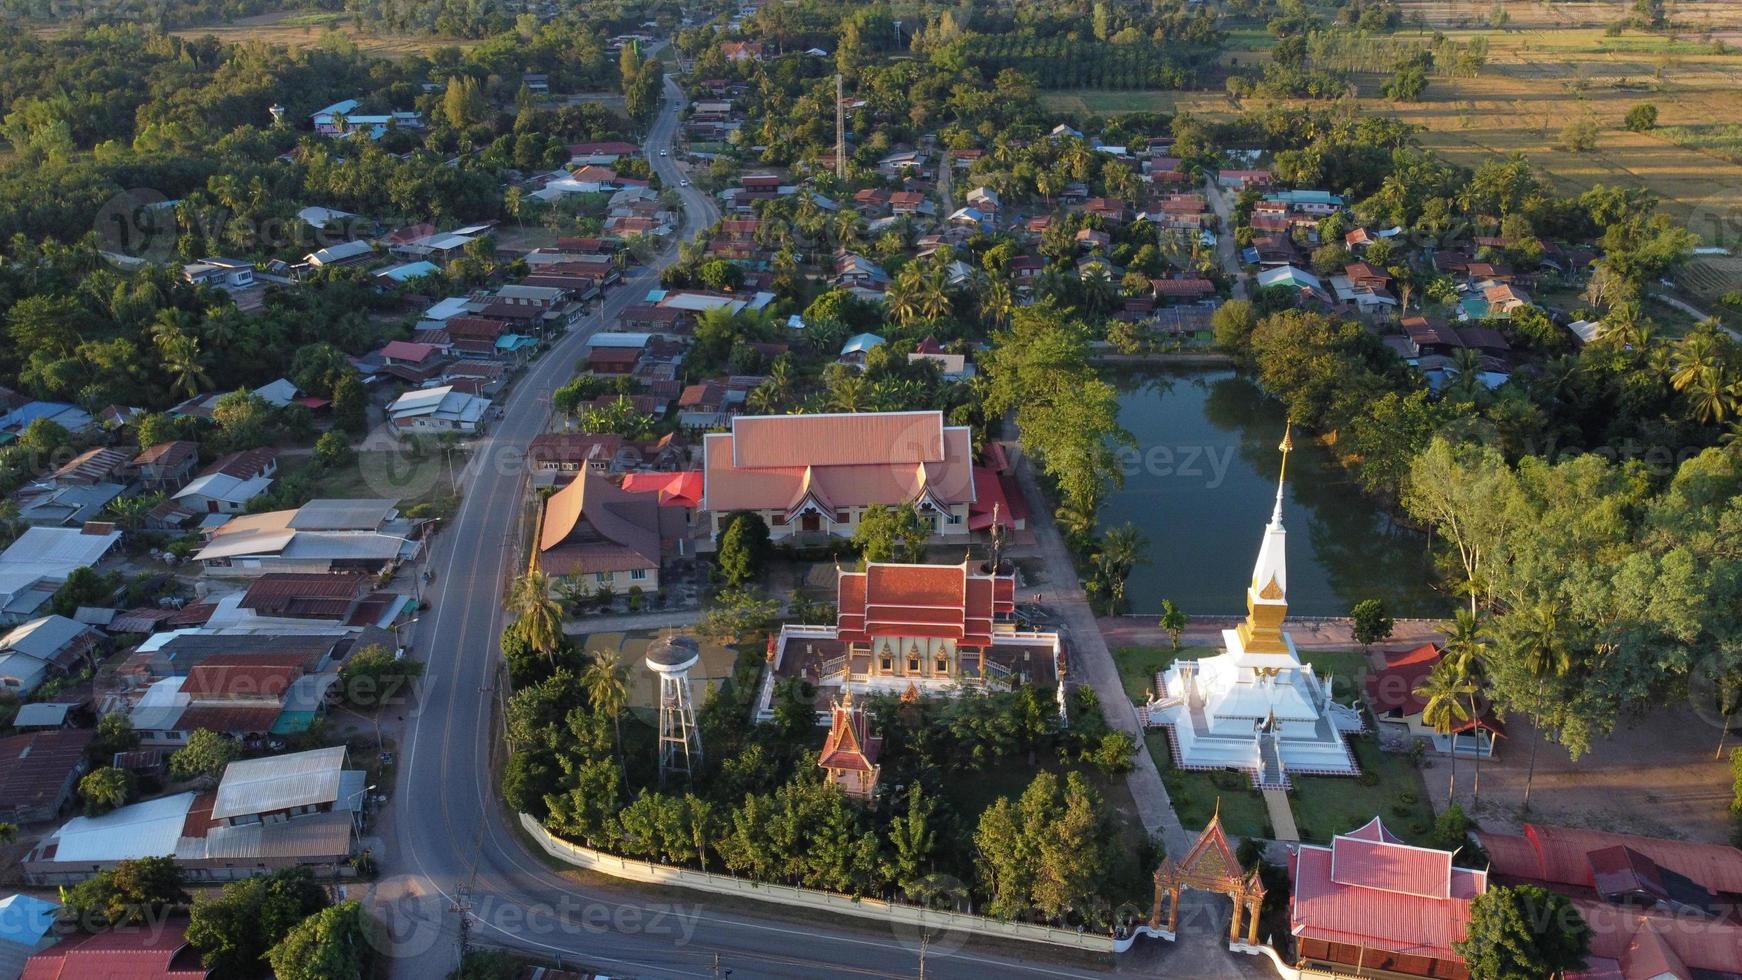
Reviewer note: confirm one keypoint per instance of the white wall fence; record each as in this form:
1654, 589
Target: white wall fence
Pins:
649, 872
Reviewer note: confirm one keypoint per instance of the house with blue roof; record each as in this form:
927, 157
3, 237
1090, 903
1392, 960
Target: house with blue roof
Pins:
26, 927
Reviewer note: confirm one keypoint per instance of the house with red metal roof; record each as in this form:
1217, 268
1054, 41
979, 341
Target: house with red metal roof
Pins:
1370, 905
159, 953
1655, 907
1391, 695
817, 474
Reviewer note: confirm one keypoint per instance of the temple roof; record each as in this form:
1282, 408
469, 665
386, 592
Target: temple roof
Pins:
1367, 889
943, 601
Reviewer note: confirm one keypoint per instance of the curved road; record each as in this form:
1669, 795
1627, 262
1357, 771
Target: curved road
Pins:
446, 831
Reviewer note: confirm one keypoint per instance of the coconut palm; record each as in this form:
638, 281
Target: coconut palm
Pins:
130, 512
847, 392
1466, 649
1700, 370
902, 298
183, 364
934, 291
1444, 691
540, 617
995, 302
1534, 633
607, 687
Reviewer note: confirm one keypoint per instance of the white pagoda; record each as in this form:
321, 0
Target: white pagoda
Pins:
1255, 706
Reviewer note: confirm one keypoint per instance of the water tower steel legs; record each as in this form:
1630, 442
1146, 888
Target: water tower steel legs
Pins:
680, 741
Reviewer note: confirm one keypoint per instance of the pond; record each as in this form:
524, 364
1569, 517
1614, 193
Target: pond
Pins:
1201, 484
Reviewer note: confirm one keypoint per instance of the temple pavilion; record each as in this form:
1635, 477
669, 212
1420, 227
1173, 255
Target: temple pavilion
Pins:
1256, 706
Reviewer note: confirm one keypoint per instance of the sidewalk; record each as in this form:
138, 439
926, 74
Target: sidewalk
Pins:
1091, 662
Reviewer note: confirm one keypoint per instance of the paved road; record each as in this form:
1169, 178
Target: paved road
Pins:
446, 831
1226, 248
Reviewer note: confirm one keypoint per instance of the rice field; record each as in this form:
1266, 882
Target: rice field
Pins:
303, 30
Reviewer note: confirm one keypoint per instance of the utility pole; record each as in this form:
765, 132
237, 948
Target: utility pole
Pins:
840, 131
463, 905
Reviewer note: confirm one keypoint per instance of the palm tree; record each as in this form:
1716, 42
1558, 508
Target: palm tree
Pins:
934, 291
902, 297
1444, 690
995, 302
1466, 649
1467, 362
847, 393
539, 614
183, 363
1535, 634
608, 688
130, 512
1700, 371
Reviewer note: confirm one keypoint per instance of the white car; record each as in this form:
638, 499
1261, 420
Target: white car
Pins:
684, 183
662, 153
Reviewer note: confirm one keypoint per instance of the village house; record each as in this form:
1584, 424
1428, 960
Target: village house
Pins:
1391, 694
604, 539
557, 456
39, 772
165, 467
45, 648
226, 486
325, 536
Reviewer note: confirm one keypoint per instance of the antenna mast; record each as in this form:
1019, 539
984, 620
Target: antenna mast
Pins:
840, 131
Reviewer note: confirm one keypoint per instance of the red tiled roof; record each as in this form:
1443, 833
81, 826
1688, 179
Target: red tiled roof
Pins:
995, 493
160, 953
573, 447
848, 747
592, 526
942, 601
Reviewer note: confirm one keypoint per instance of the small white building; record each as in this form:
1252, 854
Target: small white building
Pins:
442, 409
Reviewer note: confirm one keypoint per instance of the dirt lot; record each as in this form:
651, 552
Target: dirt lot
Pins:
1654, 775
294, 29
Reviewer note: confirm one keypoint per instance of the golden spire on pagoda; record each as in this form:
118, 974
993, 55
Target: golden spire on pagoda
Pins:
1267, 594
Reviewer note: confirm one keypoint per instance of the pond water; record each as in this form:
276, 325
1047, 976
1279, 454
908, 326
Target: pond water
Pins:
1201, 484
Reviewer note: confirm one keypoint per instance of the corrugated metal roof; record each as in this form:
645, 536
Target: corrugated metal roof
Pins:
148, 829
279, 782
320, 835
343, 514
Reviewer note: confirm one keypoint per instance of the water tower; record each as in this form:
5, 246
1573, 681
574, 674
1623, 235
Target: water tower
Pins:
680, 741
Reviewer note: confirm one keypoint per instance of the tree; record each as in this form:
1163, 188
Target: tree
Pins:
1465, 651
84, 586
1532, 637
245, 419
912, 841
234, 929
1445, 709
114, 734
1642, 118
1580, 135
736, 614
743, 547
1174, 620
1232, 324
333, 450
333, 944
607, 687
374, 676
350, 405
133, 892
1371, 624
541, 617
204, 756
1468, 494
1406, 84
891, 534
1523, 933
105, 789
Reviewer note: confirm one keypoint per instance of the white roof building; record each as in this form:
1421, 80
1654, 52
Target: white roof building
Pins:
442, 408
149, 829
39, 562
223, 487
343, 252
284, 782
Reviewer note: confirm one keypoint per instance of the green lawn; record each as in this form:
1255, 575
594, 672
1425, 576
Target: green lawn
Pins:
1196, 794
1344, 667
1138, 665
1328, 805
